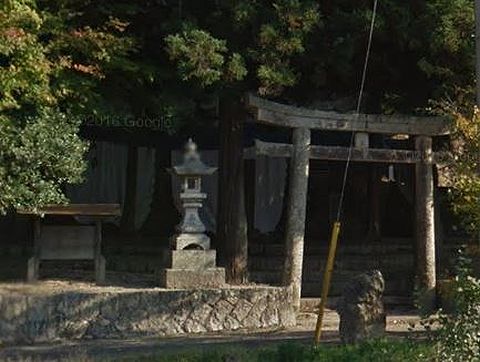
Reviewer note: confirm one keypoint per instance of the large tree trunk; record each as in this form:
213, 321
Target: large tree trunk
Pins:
232, 222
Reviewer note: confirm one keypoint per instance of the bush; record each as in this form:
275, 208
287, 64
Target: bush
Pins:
38, 159
373, 351
459, 335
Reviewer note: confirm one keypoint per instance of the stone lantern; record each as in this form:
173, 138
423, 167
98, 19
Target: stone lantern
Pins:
190, 261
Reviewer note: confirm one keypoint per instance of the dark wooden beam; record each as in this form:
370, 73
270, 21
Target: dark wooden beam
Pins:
272, 149
336, 153
96, 210
294, 117
363, 154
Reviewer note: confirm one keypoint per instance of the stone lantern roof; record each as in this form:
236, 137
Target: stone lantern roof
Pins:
192, 164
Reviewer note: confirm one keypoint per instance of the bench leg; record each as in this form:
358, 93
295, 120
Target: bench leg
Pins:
32, 269
100, 270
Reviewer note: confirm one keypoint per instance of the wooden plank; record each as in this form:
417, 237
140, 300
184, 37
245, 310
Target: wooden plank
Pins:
294, 117
101, 210
336, 153
67, 242
273, 149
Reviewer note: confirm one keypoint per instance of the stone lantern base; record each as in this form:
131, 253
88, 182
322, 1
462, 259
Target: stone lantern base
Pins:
190, 262
191, 278
190, 269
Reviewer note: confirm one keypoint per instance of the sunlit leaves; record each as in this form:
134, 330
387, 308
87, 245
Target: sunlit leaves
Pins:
25, 68
281, 28
49, 67
459, 335
465, 170
280, 40
38, 159
202, 57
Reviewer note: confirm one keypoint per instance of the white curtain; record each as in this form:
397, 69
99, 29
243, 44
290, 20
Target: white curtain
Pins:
270, 176
269, 191
105, 178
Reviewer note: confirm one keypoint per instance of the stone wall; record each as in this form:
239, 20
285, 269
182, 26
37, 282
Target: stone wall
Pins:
28, 314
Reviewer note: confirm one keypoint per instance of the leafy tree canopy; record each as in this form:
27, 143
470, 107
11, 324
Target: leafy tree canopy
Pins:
50, 70
174, 59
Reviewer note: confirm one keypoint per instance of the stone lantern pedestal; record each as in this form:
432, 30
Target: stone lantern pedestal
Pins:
190, 261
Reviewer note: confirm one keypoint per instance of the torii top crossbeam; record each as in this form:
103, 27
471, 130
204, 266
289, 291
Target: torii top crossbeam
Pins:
276, 114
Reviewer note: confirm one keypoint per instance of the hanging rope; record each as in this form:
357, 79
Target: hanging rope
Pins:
336, 226
357, 110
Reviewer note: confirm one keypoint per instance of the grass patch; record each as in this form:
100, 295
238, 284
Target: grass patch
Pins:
372, 351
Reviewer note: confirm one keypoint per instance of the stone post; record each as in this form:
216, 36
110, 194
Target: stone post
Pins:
296, 212
425, 222
362, 140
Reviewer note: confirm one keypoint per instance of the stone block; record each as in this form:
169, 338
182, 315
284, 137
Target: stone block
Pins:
191, 278
361, 308
182, 241
191, 259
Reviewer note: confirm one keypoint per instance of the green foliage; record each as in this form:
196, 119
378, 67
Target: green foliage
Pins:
86, 57
280, 40
50, 69
463, 170
459, 336
25, 68
421, 51
373, 351
200, 56
173, 60
38, 159
450, 53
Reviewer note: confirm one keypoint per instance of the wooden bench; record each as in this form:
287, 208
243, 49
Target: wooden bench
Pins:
70, 242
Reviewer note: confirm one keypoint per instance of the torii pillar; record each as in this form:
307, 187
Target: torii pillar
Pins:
425, 223
296, 212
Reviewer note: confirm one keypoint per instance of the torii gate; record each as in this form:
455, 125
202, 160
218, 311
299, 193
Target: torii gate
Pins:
302, 121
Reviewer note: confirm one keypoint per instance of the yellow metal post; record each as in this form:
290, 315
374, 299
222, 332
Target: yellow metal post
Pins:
327, 276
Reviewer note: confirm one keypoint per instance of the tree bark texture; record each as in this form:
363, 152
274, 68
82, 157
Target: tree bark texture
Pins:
232, 221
